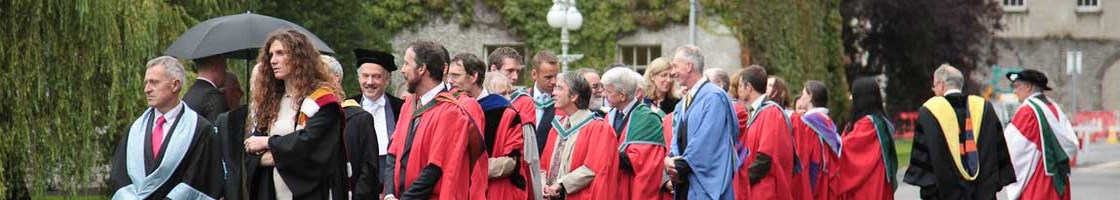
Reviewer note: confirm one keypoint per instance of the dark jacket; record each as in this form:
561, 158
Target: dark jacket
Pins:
206, 99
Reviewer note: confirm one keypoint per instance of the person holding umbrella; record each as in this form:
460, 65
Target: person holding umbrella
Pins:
296, 151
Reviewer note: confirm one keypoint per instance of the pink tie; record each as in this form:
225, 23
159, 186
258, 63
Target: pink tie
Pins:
157, 137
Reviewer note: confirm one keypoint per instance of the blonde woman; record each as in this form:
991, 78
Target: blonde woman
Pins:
662, 92
296, 151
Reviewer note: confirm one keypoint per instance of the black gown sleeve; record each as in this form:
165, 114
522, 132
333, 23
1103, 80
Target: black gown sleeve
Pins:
298, 153
312, 161
367, 183
759, 168
1006, 174
424, 184
920, 173
119, 174
206, 171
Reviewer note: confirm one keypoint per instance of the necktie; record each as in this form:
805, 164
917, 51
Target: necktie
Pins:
968, 144
157, 136
618, 120
554, 170
687, 101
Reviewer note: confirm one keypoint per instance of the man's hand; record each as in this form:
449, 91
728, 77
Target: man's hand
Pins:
552, 191
671, 167
256, 144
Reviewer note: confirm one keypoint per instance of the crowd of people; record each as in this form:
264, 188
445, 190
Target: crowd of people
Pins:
681, 130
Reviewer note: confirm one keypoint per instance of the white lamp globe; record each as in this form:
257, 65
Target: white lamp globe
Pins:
574, 19
556, 16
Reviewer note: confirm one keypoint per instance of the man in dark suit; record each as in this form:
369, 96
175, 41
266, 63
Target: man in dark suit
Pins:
204, 95
231, 134
374, 69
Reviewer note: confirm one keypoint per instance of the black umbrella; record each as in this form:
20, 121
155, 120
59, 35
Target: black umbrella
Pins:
236, 36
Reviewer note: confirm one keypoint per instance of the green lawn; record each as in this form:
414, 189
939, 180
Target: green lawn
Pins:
902, 148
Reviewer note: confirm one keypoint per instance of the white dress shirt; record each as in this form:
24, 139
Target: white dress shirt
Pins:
539, 95
376, 108
171, 116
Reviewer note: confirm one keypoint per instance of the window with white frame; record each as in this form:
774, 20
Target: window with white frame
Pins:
638, 56
1088, 3
1088, 6
1013, 3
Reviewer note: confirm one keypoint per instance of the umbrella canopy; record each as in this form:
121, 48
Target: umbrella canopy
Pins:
237, 36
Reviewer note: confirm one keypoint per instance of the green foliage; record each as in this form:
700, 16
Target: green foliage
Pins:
72, 70
603, 23
798, 40
72, 77
910, 39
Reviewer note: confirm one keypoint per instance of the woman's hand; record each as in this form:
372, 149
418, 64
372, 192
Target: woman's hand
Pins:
256, 144
266, 160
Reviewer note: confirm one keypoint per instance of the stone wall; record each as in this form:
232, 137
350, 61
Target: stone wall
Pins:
718, 45
1097, 87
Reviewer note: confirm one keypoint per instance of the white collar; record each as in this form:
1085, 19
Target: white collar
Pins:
431, 94
629, 106
817, 110
537, 92
208, 81
366, 102
1034, 95
757, 102
696, 87
578, 115
952, 91
483, 94
171, 114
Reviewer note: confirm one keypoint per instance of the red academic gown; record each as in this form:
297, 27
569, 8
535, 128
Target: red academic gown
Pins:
1039, 185
594, 148
862, 167
480, 170
507, 140
526, 107
646, 157
741, 182
442, 137
813, 150
769, 134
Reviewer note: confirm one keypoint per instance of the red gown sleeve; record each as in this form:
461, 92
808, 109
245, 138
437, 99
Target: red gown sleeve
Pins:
449, 152
648, 168
595, 138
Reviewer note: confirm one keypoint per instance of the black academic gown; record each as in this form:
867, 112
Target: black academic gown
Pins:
201, 167
932, 166
231, 133
361, 139
391, 116
312, 160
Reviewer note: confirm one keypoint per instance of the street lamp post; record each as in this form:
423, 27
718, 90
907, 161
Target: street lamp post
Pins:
565, 16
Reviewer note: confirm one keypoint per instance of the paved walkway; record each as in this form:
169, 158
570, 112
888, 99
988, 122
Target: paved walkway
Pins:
1097, 175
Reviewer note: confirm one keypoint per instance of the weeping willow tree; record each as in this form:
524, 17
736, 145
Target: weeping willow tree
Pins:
72, 78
